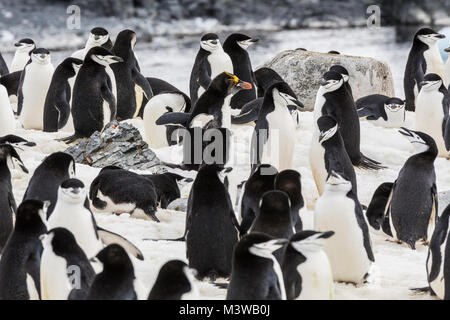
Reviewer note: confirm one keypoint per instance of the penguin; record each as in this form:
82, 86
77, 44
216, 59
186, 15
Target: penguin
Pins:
22, 55
235, 46
57, 101
175, 281
350, 250
328, 153
161, 86
73, 213
289, 181
306, 269
432, 111
274, 216
21, 257
98, 37
273, 138
447, 68
382, 110
407, 208
34, 84
93, 103
48, 176
7, 120
65, 273
437, 258
256, 274
423, 58
133, 89
211, 225
11, 82
116, 281
334, 99
345, 75
3, 67
9, 160
16, 141
260, 181
211, 60
136, 195
166, 186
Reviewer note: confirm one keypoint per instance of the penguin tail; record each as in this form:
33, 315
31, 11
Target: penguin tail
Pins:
411, 244
220, 285
421, 290
183, 238
70, 139
369, 164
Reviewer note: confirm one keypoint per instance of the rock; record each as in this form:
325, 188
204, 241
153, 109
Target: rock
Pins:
303, 71
120, 144
179, 204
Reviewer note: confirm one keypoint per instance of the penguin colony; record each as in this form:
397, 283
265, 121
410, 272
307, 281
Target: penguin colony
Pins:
255, 244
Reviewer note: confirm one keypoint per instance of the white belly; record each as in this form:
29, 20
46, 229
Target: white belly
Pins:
318, 104
34, 90
32, 290
19, 61
434, 61
55, 284
346, 252
429, 117
438, 284
447, 72
317, 277
395, 120
317, 162
220, 62
7, 119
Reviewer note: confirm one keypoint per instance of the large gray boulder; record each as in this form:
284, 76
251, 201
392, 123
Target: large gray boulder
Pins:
303, 71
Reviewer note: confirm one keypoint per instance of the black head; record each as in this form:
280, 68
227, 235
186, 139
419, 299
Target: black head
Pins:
422, 142
289, 181
115, 258
331, 81
10, 158
275, 203
428, 36
431, 82
447, 50
108, 168
394, 104
72, 191
172, 282
99, 31
239, 39
210, 42
227, 83
308, 240
282, 93
31, 216
16, 141
334, 52
256, 244
265, 169
209, 36
328, 127
61, 240
72, 64
60, 162
25, 45
341, 70
125, 42
40, 55
101, 56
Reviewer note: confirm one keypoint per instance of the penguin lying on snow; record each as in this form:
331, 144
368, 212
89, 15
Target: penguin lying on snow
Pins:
175, 281
16, 141
21, 257
61, 260
22, 54
306, 269
382, 110
407, 208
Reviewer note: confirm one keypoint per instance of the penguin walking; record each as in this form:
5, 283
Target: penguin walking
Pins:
34, 84
333, 98
438, 257
133, 89
48, 176
432, 112
423, 58
93, 103
175, 281
21, 257
211, 60
328, 153
116, 281
136, 195
306, 269
382, 110
65, 273
256, 274
22, 54
350, 250
98, 37
72, 212
273, 139
57, 102
407, 208
9, 160
7, 119
235, 46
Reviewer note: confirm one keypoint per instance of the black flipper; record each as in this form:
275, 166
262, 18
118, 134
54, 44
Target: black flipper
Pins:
379, 204
108, 237
108, 96
369, 164
11, 82
3, 67
174, 118
62, 104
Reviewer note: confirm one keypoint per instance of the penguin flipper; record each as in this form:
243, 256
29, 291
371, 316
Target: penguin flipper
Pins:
204, 78
108, 237
3, 67
437, 239
379, 204
11, 82
174, 118
108, 96
12, 202
369, 164
64, 110
244, 118
367, 112
446, 132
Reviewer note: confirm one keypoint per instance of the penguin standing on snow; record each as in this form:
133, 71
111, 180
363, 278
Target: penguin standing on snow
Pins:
211, 60
382, 110
306, 269
22, 54
34, 84
423, 58
133, 89
432, 112
236, 46
57, 101
66, 273
9, 160
350, 250
175, 281
273, 139
407, 208
93, 103
256, 274
328, 153
21, 257
116, 281
48, 176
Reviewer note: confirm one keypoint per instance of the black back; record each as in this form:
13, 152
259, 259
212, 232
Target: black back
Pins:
166, 187
171, 283
11, 82
289, 181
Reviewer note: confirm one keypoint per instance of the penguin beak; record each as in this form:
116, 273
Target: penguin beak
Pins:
297, 104
326, 235
24, 169
447, 49
17, 44
254, 40
244, 85
439, 36
406, 132
76, 190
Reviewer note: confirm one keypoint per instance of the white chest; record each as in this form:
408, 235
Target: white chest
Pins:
54, 280
434, 61
219, 62
6, 113
19, 61
317, 162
